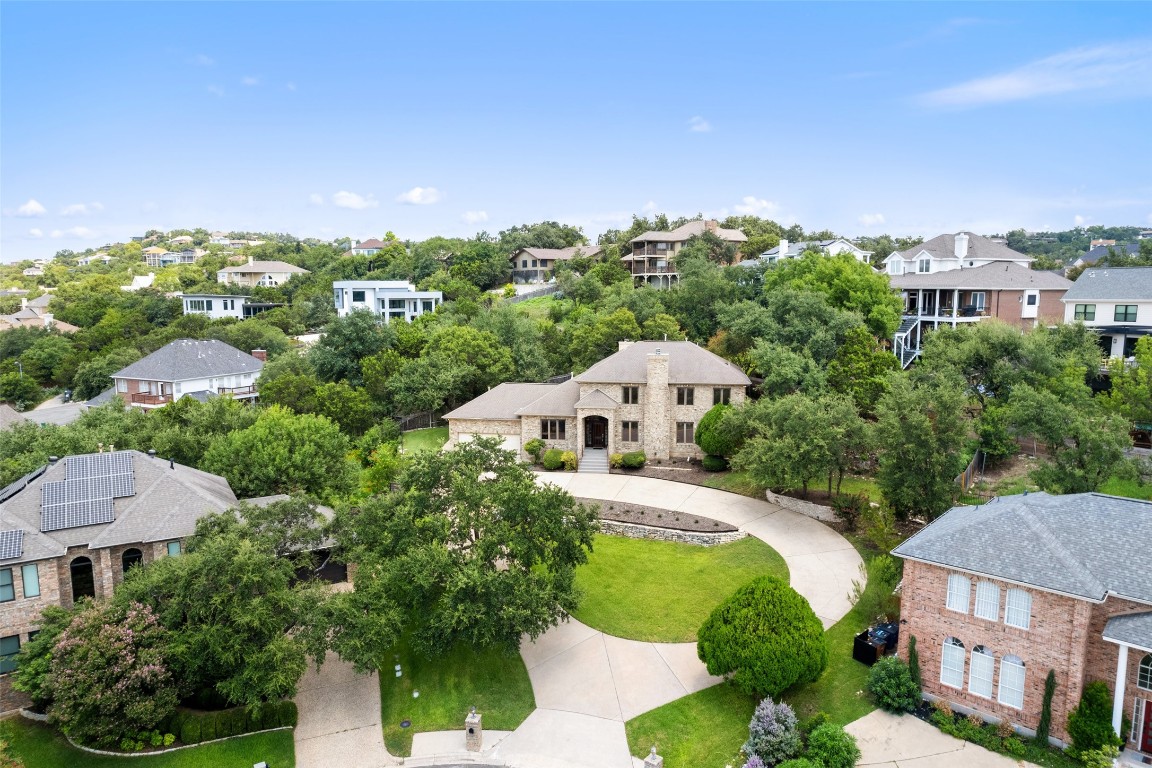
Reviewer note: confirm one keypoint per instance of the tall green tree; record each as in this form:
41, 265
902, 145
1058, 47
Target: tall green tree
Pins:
346, 341
860, 369
846, 283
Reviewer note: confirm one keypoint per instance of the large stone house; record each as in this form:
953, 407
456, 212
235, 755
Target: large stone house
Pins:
197, 368
653, 257
648, 396
998, 595
536, 265
1117, 302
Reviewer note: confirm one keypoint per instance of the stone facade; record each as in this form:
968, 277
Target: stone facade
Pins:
530, 429
702, 538
1065, 635
806, 508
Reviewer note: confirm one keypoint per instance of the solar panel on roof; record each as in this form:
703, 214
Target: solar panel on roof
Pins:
85, 496
76, 514
11, 544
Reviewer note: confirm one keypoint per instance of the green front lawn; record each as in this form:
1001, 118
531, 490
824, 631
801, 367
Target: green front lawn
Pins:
495, 683
736, 482
39, 746
661, 591
425, 439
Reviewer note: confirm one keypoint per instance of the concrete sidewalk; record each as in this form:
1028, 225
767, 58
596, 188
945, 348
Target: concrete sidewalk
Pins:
339, 721
892, 741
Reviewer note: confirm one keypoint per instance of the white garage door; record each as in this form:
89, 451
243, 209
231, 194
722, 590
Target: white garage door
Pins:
510, 442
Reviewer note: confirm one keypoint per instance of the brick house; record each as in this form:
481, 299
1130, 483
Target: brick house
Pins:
189, 367
648, 396
998, 595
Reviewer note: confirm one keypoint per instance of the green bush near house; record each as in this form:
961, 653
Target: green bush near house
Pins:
568, 459
634, 460
616, 460
891, 685
1090, 724
553, 459
832, 747
714, 463
535, 448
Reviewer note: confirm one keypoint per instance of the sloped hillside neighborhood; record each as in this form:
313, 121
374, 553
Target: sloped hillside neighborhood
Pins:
707, 492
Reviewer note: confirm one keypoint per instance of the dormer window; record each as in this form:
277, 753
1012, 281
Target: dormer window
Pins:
894, 267
925, 265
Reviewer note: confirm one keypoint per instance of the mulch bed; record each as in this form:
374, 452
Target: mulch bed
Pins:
679, 470
656, 517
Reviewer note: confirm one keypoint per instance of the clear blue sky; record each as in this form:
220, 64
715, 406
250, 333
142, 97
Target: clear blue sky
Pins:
436, 118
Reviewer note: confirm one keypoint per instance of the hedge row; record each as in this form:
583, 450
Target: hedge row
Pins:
194, 726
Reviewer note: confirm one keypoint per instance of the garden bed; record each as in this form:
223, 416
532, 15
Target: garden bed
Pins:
639, 514
680, 470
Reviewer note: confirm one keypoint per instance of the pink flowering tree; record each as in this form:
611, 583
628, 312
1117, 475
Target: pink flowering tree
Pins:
109, 678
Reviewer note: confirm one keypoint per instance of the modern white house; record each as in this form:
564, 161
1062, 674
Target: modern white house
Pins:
390, 299
787, 250
944, 253
218, 306
189, 367
263, 273
1116, 302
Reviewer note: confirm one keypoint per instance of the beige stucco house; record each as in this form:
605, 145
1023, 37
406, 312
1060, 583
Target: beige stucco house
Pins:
649, 396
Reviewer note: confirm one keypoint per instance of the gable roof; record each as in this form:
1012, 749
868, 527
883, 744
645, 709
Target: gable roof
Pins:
185, 359
261, 267
1003, 275
558, 400
559, 254
10, 417
1112, 283
1086, 545
596, 399
691, 229
795, 249
944, 247
501, 402
687, 364
369, 243
1098, 252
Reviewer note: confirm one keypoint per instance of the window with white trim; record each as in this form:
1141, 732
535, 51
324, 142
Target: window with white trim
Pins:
980, 672
1018, 609
925, 265
952, 663
987, 601
894, 267
1011, 682
1144, 675
959, 592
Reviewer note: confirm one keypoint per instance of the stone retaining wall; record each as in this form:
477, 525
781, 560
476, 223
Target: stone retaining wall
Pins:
634, 531
807, 508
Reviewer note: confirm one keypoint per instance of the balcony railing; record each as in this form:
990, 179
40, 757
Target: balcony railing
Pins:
651, 250
249, 389
639, 268
145, 398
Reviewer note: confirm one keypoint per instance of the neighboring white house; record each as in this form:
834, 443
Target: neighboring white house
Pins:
86, 260
1117, 302
369, 247
140, 281
947, 252
787, 250
265, 273
220, 238
217, 306
391, 299
181, 240
196, 368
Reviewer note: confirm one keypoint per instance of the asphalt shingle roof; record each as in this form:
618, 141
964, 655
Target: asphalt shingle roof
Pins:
691, 229
558, 254
1111, 284
1086, 545
596, 399
944, 247
186, 359
1095, 254
501, 402
1131, 629
558, 400
687, 364
990, 277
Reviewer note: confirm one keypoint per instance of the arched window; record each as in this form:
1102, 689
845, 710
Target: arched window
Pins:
130, 558
980, 672
1012, 682
1144, 676
1018, 609
959, 591
987, 600
83, 584
952, 663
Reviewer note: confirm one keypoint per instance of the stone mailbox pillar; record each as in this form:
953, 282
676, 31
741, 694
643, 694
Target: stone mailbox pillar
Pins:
653, 760
473, 731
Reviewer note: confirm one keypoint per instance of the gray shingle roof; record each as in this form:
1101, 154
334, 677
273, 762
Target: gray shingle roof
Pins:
990, 277
596, 399
1111, 284
685, 231
501, 402
558, 254
10, 417
1095, 254
186, 359
559, 400
1086, 545
944, 247
1131, 629
687, 364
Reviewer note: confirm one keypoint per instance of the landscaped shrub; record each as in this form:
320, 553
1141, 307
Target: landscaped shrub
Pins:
1045, 724
765, 637
208, 726
1014, 747
914, 662
714, 463
799, 762
1099, 758
634, 460
1090, 724
754, 762
568, 458
773, 734
288, 714
710, 433
616, 460
813, 723
190, 731
891, 685
535, 448
848, 507
553, 459
833, 747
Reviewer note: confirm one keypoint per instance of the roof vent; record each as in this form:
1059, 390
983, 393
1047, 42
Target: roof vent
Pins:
151, 453
53, 459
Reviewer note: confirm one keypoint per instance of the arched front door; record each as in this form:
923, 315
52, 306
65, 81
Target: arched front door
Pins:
595, 432
83, 584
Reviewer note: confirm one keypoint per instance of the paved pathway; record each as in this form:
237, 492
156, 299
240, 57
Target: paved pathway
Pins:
339, 721
890, 741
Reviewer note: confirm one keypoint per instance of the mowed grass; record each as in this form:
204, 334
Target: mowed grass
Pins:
1128, 488
39, 746
425, 439
707, 729
661, 591
495, 683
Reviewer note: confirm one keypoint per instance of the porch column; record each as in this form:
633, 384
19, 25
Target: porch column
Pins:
955, 305
1118, 695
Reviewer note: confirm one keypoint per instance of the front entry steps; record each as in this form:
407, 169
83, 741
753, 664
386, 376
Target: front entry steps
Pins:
594, 460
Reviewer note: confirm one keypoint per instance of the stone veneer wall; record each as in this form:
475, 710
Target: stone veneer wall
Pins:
530, 430
806, 508
635, 531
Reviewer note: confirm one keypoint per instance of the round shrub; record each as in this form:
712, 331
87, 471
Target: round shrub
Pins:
799, 762
1090, 724
568, 459
773, 734
288, 714
891, 685
616, 460
535, 448
833, 747
714, 463
712, 437
634, 460
190, 730
765, 637
553, 459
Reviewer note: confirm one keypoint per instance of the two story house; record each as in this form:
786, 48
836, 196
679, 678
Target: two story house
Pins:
369, 247
264, 273
535, 265
998, 595
217, 306
943, 253
390, 299
1117, 302
653, 257
787, 250
193, 367
648, 396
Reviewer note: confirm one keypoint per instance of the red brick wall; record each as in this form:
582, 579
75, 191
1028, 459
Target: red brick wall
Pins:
1102, 656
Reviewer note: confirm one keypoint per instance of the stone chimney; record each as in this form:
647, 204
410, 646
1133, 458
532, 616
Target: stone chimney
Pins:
623, 344
657, 406
711, 225
783, 247
961, 245
260, 354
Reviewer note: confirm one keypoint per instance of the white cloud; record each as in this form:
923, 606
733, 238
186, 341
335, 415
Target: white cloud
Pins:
753, 206
73, 232
353, 201
1121, 68
316, 199
649, 207
249, 80
31, 209
35, 232
420, 196
870, 219
475, 217
201, 60
81, 209
215, 90
1079, 220
697, 124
